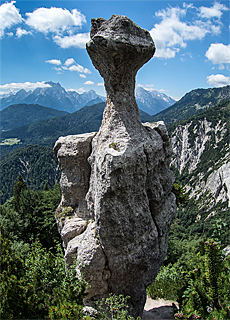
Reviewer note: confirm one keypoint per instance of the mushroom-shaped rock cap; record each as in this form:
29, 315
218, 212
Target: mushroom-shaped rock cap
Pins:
118, 48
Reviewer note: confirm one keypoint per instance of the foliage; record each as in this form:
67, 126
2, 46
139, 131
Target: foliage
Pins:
207, 294
167, 283
36, 165
19, 187
29, 215
181, 196
17, 297
38, 285
115, 308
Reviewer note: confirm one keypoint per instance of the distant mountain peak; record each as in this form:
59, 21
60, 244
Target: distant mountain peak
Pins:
152, 101
52, 96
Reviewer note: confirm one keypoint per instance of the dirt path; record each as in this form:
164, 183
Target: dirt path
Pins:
158, 309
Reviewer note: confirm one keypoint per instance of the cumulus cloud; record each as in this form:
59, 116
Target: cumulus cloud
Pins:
89, 82
12, 87
22, 32
78, 40
56, 62
218, 53
173, 32
69, 61
9, 16
79, 68
54, 19
218, 80
100, 84
214, 12
61, 23
69, 65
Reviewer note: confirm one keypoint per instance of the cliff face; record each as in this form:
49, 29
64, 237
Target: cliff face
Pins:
117, 203
201, 156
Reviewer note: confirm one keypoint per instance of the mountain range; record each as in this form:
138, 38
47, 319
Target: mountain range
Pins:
193, 103
56, 97
53, 96
200, 158
46, 132
152, 101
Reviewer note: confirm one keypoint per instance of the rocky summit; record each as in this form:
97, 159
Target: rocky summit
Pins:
117, 202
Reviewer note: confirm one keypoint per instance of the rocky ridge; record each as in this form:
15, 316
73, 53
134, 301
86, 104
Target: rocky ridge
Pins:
117, 202
201, 156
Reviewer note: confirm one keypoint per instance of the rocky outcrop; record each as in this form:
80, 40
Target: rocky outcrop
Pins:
195, 145
124, 210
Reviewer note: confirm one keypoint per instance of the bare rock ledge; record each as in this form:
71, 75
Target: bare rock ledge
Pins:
117, 202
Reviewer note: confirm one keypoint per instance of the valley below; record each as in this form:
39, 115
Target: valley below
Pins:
198, 127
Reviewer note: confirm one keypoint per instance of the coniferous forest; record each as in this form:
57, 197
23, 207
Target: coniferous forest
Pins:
34, 281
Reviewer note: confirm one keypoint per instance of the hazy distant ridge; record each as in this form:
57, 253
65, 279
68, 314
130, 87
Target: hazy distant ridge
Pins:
56, 97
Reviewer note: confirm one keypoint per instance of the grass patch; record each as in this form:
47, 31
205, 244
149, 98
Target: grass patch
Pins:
10, 142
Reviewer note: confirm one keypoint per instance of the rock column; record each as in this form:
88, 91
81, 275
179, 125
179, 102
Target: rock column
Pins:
130, 184
127, 204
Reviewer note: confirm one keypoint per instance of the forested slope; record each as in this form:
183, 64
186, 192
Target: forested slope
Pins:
36, 164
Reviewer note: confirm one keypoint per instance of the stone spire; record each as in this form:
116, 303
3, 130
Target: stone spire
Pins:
126, 206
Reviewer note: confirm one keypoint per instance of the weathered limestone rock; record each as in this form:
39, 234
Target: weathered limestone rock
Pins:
127, 201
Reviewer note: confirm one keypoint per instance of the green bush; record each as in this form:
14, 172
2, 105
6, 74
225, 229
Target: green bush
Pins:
38, 285
115, 308
167, 283
207, 294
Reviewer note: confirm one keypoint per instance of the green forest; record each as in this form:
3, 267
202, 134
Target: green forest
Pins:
35, 283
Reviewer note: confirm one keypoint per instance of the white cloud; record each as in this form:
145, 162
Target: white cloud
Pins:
148, 87
80, 69
69, 62
9, 16
78, 40
59, 70
218, 53
9, 34
62, 23
13, 87
89, 82
82, 75
100, 84
81, 90
214, 12
218, 80
54, 20
21, 32
173, 32
56, 62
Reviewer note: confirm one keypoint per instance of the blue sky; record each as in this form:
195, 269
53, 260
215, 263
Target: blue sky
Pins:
45, 41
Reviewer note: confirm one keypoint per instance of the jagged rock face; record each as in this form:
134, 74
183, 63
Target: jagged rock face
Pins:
129, 199
190, 142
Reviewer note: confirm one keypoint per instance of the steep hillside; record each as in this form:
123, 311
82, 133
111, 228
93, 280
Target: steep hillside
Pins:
87, 119
193, 103
201, 162
36, 164
19, 115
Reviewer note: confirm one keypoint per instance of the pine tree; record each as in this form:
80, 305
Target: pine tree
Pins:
19, 186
